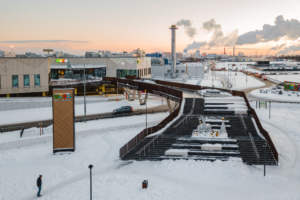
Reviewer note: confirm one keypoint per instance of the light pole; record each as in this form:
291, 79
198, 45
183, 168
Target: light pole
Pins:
265, 146
84, 91
91, 167
146, 111
12, 48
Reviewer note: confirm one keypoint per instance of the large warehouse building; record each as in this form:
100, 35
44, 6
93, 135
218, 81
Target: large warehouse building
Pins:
29, 76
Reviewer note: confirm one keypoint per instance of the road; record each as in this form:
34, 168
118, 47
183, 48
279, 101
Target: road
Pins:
248, 90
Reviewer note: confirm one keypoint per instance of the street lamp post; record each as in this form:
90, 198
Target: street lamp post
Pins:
91, 167
265, 146
84, 92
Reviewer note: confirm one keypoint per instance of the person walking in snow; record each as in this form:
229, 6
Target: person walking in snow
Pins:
39, 184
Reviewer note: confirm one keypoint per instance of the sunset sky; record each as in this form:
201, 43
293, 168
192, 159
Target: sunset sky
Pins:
76, 26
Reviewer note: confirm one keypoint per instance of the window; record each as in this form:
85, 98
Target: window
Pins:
15, 81
122, 72
37, 80
26, 80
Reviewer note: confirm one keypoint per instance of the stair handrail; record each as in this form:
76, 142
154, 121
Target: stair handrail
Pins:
243, 122
150, 142
191, 112
254, 146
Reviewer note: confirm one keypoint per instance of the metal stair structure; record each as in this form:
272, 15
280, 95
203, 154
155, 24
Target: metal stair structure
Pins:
240, 144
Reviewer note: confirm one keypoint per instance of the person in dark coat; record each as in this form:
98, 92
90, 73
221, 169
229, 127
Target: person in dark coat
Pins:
39, 184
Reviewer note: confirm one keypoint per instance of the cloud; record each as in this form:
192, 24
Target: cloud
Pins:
187, 24
282, 28
195, 45
277, 47
289, 50
42, 41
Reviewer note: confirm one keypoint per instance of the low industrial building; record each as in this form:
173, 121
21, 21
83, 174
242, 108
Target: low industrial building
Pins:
193, 71
32, 76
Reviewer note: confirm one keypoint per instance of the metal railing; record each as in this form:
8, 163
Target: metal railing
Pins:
243, 122
148, 144
254, 146
186, 117
234, 93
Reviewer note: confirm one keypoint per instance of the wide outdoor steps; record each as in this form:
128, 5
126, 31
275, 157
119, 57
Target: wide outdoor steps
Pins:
238, 146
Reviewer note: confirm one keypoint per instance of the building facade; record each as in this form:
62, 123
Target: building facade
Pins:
24, 75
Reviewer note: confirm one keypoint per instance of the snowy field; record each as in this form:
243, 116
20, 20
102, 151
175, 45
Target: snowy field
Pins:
238, 80
282, 78
39, 114
67, 176
276, 97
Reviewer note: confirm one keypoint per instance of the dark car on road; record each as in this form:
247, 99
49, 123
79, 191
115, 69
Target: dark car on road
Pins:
123, 110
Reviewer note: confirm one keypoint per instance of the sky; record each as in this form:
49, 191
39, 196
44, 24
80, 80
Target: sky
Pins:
77, 26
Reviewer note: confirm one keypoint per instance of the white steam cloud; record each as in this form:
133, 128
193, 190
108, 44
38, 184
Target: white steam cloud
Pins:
282, 28
277, 47
187, 24
218, 39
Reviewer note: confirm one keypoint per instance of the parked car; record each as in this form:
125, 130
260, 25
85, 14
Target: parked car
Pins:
281, 84
265, 78
123, 110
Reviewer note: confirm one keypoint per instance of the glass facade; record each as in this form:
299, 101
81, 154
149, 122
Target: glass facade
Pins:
77, 73
26, 80
122, 72
37, 80
15, 81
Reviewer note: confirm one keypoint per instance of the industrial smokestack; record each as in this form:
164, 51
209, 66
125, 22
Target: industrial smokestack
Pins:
173, 68
233, 51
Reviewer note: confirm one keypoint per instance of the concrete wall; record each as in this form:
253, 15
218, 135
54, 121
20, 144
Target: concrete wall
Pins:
193, 70
20, 67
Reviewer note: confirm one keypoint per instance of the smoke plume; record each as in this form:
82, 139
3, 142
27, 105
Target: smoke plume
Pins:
277, 47
282, 28
290, 49
218, 39
195, 45
187, 24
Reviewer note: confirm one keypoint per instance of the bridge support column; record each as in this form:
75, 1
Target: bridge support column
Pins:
169, 105
133, 95
44, 94
75, 91
7, 95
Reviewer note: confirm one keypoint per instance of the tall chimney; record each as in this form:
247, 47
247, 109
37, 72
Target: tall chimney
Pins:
173, 33
233, 51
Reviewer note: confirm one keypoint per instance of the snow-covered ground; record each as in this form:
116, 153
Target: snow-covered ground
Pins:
240, 81
102, 125
39, 114
276, 97
282, 78
67, 176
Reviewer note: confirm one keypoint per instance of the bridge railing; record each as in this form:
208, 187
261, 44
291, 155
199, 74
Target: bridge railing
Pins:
165, 91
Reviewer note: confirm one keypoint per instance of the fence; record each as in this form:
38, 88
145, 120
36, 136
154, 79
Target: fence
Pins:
42, 131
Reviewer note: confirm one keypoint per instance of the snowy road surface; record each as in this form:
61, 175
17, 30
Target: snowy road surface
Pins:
67, 176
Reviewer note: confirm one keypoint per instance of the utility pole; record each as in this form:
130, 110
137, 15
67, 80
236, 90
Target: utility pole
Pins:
84, 92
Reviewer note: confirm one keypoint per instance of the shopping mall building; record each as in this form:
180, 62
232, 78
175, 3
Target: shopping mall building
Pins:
38, 76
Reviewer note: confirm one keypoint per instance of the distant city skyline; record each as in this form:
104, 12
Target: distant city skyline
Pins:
78, 26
